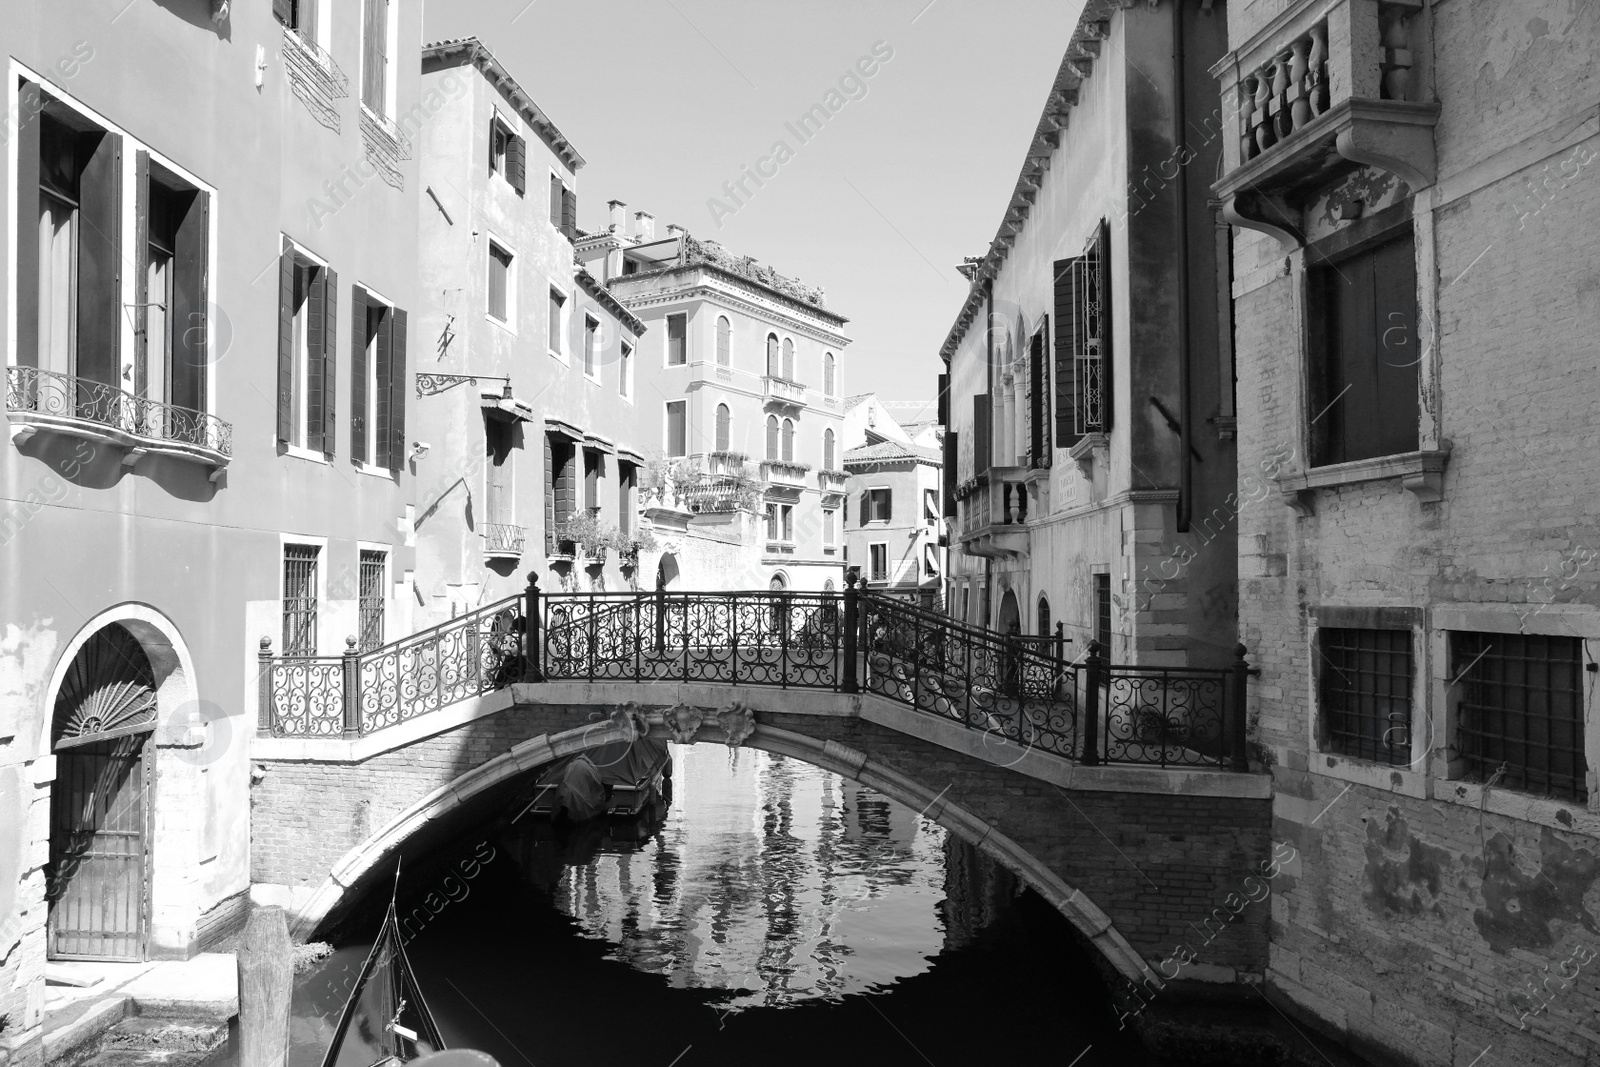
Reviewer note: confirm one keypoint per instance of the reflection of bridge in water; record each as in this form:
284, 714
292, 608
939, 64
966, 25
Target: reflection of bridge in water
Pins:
1119, 792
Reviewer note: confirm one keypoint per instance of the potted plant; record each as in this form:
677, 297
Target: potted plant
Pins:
584, 529
629, 545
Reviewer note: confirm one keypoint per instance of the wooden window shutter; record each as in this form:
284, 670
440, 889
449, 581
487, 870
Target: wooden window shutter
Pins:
330, 349
99, 260
1103, 282
374, 39
383, 354
141, 274
283, 11
944, 400
549, 491
948, 474
1066, 329
555, 201
888, 505
188, 319
286, 342
569, 213
358, 373
316, 298
1039, 398
517, 163
981, 436
30, 101
397, 389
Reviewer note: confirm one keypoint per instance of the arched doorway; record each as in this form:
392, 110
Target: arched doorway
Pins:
96, 878
778, 583
1010, 618
667, 572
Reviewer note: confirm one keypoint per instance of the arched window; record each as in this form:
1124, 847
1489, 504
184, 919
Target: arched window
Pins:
772, 355
788, 440
724, 341
788, 359
1044, 616
827, 450
827, 374
724, 425
772, 437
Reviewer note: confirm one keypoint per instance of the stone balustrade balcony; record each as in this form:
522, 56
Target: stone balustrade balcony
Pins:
781, 392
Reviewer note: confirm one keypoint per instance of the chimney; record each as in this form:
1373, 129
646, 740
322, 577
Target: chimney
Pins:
619, 217
674, 230
645, 225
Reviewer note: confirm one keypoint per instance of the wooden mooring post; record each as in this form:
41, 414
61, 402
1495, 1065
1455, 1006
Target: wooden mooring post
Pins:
266, 979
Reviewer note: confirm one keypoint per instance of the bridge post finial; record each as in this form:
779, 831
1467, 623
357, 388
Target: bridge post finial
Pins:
1237, 710
264, 687
848, 682
1094, 671
532, 640
351, 689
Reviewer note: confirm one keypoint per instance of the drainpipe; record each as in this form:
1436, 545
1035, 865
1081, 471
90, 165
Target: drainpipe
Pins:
1185, 416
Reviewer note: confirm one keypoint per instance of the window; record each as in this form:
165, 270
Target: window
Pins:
786, 514
930, 506
307, 294
1521, 707
828, 370
677, 332
930, 560
788, 440
561, 485
1362, 334
300, 599
1102, 613
499, 138
625, 370
370, 580
876, 505
558, 303
1365, 691
563, 208
827, 450
627, 481
724, 427
724, 341
773, 366
376, 50
594, 469
377, 381
1044, 616
772, 437
500, 283
829, 518
1038, 403
1083, 342
591, 346
788, 359
780, 522
171, 290
299, 15
498, 483
508, 154
878, 562
68, 198
677, 428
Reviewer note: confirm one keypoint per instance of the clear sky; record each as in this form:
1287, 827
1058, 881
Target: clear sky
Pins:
668, 99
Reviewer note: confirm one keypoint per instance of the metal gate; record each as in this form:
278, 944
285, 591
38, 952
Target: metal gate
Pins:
99, 812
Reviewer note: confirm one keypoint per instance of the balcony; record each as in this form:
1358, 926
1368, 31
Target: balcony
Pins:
783, 475
46, 401
781, 392
726, 462
503, 540
1319, 92
831, 483
994, 514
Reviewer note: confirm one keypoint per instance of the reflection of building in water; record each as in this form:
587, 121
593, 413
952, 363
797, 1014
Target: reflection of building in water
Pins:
771, 877
976, 889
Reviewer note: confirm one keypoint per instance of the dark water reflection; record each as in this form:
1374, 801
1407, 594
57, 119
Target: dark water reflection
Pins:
779, 914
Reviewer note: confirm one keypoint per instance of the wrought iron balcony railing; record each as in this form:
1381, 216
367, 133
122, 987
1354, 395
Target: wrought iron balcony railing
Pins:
1018, 690
41, 399
503, 539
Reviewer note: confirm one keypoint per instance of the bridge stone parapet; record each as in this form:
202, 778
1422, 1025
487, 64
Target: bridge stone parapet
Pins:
1136, 857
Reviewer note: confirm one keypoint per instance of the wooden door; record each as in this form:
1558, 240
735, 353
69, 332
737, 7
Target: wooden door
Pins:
96, 876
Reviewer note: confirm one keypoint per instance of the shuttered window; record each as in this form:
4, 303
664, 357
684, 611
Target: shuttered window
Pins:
1083, 357
677, 338
948, 474
555, 201
591, 346
307, 312
378, 381
593, 471
517, 164
827, 450
772, 437
677, 428
497, 488
788, 440
374, 56
829, 384
877, 505
1364, 354
625, 370
500, 287
724, 427
982, 441
1038, 401
627, 481
724, 341
788, 359
773, 365
299, 15
171, 289
557, 302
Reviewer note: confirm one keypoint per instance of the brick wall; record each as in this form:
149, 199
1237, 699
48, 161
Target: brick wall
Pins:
1159, 865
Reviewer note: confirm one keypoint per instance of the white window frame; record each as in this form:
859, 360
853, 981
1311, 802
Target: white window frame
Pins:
321, 545
322, 35
511, 480
391, 45
591, 359
369, 417
566, 318
666, 340
830, 537
627, 356
302, 410
496, 118
887, 489
886, 569
555, 217
509, 323
666, 427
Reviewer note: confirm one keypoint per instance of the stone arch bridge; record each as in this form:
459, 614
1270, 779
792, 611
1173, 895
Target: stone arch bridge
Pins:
1113, 791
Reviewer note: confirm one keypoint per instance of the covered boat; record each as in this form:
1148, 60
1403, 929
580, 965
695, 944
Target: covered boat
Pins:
621, 779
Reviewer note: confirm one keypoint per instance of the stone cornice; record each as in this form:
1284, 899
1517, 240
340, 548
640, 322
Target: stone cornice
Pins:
740, 295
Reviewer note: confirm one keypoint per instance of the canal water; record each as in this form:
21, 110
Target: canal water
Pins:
773, 913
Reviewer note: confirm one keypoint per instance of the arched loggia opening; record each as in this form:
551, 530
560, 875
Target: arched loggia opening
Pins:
667, 572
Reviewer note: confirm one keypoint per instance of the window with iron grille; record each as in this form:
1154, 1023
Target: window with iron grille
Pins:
1102, 613
300, 599
1521, 707
1365, 691
371, 594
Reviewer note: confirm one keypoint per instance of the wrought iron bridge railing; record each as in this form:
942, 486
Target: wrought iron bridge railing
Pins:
1015, 690
32, 391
